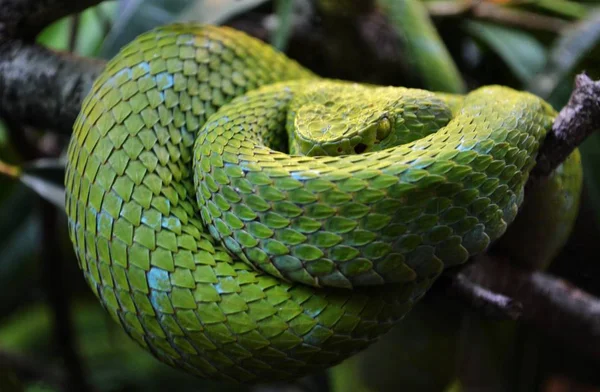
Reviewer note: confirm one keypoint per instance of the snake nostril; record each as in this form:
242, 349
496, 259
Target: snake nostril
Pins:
360, 148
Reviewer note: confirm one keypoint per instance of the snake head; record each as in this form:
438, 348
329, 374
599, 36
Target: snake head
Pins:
349, 119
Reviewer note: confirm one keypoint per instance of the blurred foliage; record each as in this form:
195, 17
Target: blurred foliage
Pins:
116, 363
424, 47
450, 44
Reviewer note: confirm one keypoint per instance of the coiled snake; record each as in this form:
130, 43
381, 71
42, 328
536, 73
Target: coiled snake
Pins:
227, 256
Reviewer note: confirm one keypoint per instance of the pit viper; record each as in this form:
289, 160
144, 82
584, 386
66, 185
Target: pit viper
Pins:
245, 220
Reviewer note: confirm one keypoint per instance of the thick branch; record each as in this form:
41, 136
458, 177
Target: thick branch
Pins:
39, 87
575, 122
24, 19
42, 88
552, 305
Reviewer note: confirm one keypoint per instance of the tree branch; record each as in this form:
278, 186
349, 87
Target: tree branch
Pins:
39, 87
551, 304
24, 19
42, 88
575, 122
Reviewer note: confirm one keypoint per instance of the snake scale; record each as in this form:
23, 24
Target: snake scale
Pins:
246, 220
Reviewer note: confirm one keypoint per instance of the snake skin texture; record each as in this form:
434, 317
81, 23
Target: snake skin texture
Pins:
231, 259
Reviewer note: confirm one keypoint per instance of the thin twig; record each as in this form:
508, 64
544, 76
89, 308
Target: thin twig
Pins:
519, 18
496, 13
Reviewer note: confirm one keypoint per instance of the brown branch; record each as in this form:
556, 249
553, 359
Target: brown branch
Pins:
554, 306
575, 122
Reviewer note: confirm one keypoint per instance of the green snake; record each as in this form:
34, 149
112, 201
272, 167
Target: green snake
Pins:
246, 220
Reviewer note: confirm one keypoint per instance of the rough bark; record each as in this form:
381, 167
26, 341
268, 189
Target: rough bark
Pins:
42, 88
575, 122
39, 87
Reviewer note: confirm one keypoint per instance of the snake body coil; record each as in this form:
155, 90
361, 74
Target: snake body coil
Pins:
228, 258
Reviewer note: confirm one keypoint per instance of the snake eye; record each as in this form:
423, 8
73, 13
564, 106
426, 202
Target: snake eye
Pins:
383, 128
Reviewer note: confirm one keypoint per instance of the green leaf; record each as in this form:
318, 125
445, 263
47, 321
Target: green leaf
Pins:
55, 36
135, 17
89, 35
92, 30
521, 52
572, 46
565, 8
281, 34
424, 46
217, 12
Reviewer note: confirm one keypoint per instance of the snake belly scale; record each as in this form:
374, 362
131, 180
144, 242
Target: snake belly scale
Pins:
228, 257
